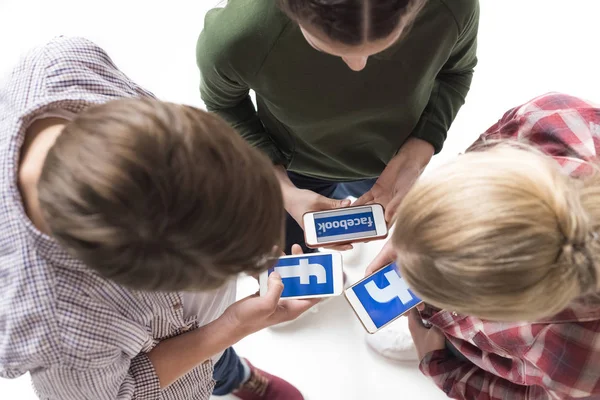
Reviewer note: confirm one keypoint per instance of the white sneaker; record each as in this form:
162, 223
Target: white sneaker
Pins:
394, 342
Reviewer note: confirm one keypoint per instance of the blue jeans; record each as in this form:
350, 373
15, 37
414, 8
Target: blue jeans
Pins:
228, 373
335, 190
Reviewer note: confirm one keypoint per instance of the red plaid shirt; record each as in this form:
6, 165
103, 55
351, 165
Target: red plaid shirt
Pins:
558, 358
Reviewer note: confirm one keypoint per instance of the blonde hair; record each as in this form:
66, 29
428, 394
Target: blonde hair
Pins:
501, 234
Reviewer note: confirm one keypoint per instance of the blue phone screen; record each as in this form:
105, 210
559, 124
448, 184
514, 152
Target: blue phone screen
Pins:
345, 224
385, 295
306, 275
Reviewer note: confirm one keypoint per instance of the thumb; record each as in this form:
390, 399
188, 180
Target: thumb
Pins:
391, 209
415, 324
327, 203
364, 199
385, 257
274, 288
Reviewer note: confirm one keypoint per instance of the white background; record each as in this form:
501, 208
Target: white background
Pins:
526, 48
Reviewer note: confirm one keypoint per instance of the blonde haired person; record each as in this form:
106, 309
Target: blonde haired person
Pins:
506, 256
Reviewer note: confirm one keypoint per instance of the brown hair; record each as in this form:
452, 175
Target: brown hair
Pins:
501, 234
160, 196
353, 22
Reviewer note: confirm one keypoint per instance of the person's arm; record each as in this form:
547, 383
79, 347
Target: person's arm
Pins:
451, 85
223, 90
464, 380
461, 379
227, 96
398, 176
559, 364
447, 96
148, 375
174, 357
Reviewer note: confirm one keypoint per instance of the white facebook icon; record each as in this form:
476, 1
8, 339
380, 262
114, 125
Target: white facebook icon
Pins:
304, 270
396, 288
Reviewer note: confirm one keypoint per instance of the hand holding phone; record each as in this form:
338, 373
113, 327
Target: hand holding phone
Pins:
254, 313
344, 225
381, 298
305, 276
300, 201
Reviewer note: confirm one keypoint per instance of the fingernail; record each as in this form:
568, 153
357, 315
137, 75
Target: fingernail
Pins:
275, 275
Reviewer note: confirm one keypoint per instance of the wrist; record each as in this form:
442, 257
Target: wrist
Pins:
415, 154
288, 189
235, 327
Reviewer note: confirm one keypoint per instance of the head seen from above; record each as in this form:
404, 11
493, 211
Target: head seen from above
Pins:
506, 235
352, 29
161, 196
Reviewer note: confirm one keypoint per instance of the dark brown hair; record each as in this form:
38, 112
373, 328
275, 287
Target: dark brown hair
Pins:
160, 196
352, 22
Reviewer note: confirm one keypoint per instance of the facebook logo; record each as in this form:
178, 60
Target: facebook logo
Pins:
345, 224
306, 275
385, 295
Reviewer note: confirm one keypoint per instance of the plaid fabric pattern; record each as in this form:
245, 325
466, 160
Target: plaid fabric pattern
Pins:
79, 335
558, 358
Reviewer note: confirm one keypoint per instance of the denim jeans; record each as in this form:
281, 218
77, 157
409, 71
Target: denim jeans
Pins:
228, 373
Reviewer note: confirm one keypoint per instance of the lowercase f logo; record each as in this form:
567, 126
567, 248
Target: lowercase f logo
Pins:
396, 288
307, 275
385, 295
304, 270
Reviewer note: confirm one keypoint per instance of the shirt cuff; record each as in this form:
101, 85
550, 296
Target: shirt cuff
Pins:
432, 360
147, 385
427, 131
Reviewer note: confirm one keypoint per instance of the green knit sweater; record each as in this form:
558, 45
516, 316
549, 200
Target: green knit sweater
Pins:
316, 116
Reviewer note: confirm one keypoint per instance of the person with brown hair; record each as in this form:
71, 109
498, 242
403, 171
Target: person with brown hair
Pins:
507, 258
125, 221
354, 96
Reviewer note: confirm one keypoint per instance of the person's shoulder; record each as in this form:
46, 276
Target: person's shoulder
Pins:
464, 12
242, 33
28, 307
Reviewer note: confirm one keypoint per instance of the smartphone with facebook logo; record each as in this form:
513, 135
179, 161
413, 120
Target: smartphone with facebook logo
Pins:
344, 225
307, 276
381, 298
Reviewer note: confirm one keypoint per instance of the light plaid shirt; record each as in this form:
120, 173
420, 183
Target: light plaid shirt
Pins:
79, 335
557, 358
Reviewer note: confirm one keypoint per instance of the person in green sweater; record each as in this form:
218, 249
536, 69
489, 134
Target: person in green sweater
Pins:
353, 96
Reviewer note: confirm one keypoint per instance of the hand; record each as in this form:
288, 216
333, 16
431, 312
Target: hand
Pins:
398, 177
300, 201
386, 256
255, 312
426, 339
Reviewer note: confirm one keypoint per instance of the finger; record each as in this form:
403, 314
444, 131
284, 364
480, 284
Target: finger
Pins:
415, 326
392, 207
327, 203
386, 256
274, 288
421, 307
364, 199
291, 309
297, 250
341, 247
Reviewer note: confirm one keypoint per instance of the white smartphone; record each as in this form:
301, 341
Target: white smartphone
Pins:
381, 298
308, 275
344, 225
